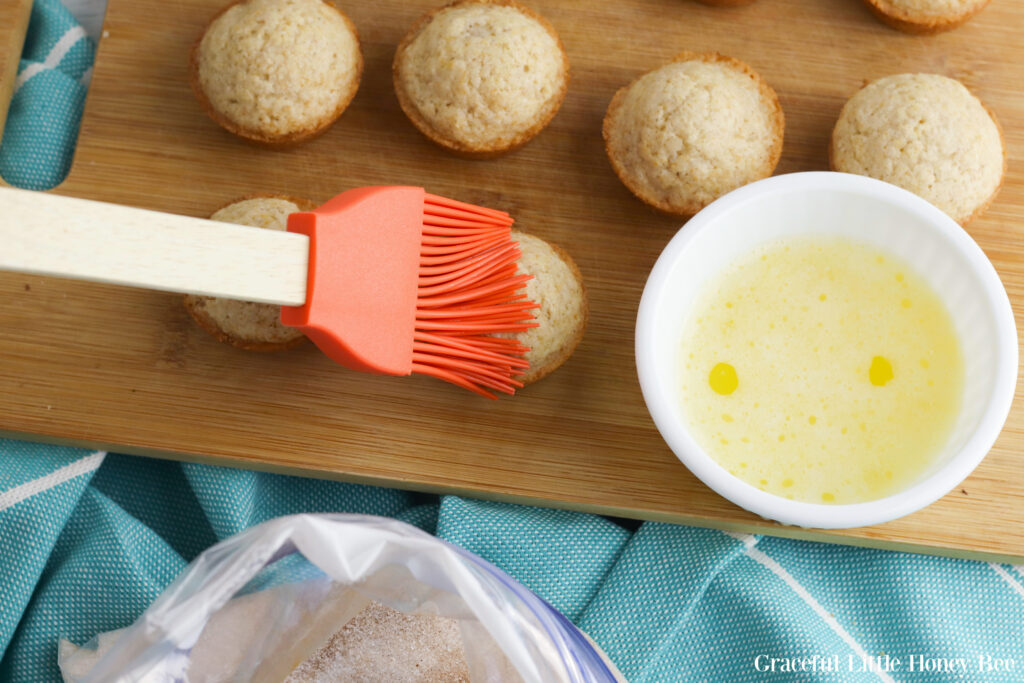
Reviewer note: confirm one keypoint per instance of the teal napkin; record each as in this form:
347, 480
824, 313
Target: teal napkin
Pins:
49, 93
87, 540
90, 539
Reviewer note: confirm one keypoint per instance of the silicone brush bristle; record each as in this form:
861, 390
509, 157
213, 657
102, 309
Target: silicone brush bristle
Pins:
402, 281
469, 288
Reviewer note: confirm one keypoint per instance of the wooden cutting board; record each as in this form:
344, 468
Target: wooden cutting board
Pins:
14, 15
127, 370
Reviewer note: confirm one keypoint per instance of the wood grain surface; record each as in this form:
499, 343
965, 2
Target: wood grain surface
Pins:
127, 370
14, 16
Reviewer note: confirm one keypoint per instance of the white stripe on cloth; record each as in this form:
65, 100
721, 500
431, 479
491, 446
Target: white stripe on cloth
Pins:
19, 493
748, 540
779, 570
56, 54
1008, 578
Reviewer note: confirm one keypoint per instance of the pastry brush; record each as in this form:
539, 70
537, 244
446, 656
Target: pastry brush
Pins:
389, 280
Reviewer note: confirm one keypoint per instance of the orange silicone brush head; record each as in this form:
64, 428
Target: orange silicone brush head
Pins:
403, 281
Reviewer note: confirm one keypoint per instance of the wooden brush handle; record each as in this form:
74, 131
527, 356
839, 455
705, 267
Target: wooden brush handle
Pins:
47, 234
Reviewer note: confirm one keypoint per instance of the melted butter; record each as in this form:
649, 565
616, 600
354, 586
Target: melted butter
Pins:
851, 371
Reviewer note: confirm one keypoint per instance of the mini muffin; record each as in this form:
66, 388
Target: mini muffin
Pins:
481, 77
925, 16
276, 72
927, 134
246, 324
688, 132
558, 287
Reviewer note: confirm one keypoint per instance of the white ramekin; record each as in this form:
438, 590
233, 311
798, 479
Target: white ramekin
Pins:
862, 209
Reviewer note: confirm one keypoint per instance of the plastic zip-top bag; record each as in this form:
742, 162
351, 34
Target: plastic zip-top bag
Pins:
316, 597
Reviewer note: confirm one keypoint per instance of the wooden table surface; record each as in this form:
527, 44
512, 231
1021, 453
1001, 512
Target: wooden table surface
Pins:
127, 370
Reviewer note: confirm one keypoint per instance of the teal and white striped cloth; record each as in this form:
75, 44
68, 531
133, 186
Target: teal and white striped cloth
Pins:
87, 540
49, 93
